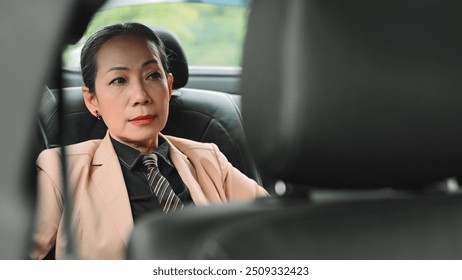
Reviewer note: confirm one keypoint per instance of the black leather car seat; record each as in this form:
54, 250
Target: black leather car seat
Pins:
360, 95
206, 116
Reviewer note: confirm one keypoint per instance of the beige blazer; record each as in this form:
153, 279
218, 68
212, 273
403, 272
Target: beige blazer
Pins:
102, 218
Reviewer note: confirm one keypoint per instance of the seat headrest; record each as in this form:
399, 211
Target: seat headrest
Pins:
176, 57
354, 93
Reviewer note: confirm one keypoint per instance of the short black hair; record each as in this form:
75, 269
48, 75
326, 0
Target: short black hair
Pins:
88, 64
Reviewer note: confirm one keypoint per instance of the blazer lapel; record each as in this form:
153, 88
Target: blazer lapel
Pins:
109, 181
186, 172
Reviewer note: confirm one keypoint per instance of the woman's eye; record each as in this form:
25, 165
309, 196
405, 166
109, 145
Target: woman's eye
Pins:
117, 81
154, 75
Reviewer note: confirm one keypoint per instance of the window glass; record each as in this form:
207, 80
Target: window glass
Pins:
211, 34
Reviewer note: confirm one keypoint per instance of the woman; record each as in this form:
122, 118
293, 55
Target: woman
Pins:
127, 84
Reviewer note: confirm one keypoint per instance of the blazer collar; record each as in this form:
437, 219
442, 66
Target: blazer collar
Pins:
109, 181
104, 152
187, 172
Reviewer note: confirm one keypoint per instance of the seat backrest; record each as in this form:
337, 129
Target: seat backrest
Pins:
200, 115
359, 95
366, 95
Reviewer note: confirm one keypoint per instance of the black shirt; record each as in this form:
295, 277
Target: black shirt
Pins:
141, 199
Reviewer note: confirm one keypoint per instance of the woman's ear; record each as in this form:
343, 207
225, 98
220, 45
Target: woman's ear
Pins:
170, 84
91, 101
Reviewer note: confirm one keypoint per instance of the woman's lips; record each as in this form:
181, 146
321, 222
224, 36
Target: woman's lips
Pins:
142, 120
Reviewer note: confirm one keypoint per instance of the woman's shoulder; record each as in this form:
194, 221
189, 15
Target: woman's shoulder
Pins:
198, 152
184, 144
86, 148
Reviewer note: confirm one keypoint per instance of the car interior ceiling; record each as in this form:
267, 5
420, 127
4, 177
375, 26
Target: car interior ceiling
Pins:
346, 109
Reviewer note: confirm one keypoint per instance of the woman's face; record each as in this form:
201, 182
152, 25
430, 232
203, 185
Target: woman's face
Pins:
132, 92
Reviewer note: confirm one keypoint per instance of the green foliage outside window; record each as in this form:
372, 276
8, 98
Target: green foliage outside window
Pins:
212, 35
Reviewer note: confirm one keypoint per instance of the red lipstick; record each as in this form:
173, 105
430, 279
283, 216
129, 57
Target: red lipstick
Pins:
142, 120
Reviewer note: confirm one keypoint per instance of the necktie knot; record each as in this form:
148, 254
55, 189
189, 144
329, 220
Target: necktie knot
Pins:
150, 160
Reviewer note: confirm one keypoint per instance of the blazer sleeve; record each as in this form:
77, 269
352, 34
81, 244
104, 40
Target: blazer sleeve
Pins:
237, 186
49, 204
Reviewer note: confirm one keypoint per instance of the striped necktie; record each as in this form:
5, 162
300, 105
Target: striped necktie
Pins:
160, 187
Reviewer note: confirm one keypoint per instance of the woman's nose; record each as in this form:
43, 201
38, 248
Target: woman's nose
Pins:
140, 94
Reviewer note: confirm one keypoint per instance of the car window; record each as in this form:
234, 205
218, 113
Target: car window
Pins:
212, 34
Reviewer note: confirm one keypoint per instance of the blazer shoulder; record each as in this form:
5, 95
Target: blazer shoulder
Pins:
184, 144
86, 148
199, 153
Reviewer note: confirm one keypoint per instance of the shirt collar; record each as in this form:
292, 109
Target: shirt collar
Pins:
129, 156
162, 150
